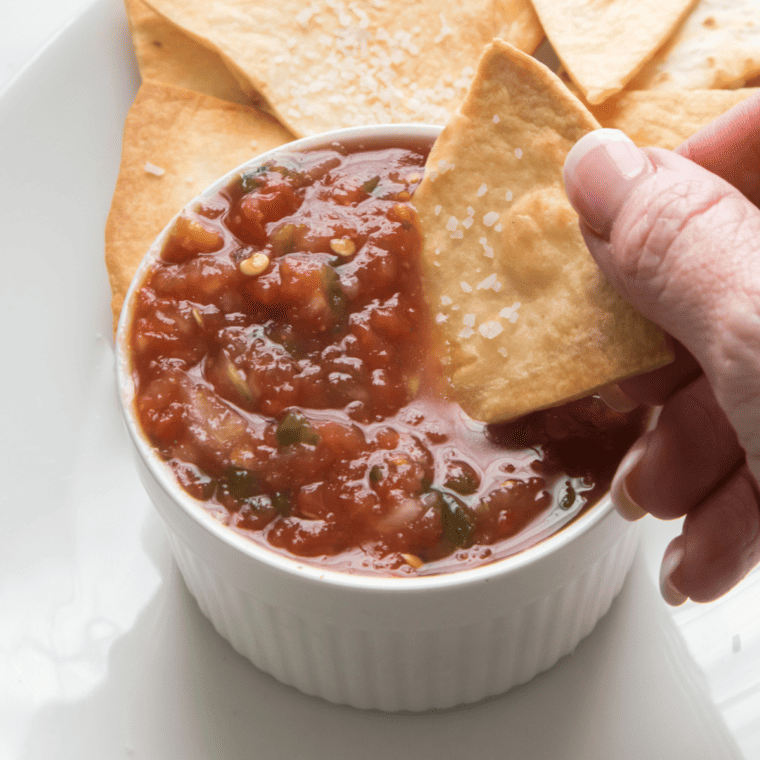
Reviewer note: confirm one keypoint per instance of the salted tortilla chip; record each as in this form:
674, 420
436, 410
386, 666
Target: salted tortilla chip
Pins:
165, 54
331, 64
666, 118
717, 45
176, 143
602, 44
525, 318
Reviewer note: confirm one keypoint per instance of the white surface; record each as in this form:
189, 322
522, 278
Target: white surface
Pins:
103, 653
26, 27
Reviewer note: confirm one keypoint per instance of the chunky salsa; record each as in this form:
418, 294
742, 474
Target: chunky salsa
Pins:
281, 357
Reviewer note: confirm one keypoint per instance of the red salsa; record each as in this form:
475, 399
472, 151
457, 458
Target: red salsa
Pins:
280, 355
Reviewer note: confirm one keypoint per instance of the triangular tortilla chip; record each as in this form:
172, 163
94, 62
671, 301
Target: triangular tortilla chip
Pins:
167, 55
664, 118
603, 43
331, 64
176, 143
525, 318
717, 45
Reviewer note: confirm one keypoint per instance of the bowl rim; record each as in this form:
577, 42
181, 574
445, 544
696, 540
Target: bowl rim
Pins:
254, 551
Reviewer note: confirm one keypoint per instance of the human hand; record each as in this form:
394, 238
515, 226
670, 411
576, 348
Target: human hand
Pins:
678, 235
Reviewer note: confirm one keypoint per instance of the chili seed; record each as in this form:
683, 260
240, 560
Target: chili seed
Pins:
413, 560
234, 376
254, 265
343, 246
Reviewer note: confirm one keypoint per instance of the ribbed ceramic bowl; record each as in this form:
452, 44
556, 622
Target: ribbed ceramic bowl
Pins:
386, 643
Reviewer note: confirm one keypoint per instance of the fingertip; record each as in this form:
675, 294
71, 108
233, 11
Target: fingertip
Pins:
672, 559
599, 172
721, 538
620, 494
589, 142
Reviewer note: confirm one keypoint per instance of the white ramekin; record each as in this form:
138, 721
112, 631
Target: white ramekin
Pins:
373, 642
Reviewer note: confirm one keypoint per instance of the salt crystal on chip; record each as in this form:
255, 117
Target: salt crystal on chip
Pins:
446, 30
490, 329
488, 251
157, 171
510, 312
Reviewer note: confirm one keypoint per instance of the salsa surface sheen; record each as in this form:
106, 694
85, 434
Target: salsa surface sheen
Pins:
281, 359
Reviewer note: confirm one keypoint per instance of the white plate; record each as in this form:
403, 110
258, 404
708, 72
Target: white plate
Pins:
103, 653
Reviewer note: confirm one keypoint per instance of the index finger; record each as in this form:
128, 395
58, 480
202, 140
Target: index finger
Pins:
729, 146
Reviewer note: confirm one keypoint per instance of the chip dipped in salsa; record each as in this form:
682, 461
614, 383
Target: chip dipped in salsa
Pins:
283, 364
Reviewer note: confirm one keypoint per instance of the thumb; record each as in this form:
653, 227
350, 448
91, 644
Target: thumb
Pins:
683, 247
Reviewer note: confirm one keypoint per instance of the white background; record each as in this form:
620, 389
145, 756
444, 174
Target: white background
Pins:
26, 26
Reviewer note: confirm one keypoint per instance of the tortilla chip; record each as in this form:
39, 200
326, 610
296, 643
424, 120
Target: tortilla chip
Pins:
664, 118
176, 143
717, 45
164, 54
525, 318
333, 64
603, 44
